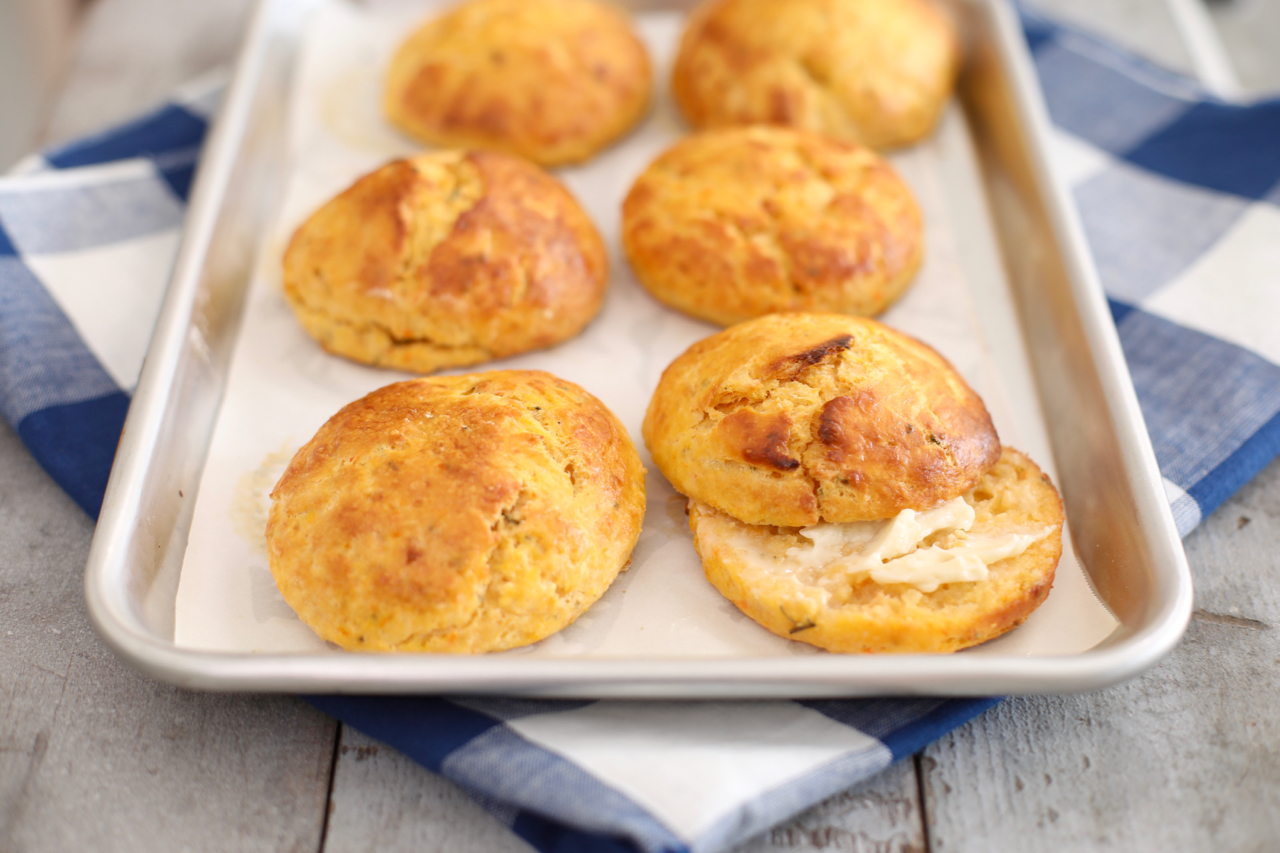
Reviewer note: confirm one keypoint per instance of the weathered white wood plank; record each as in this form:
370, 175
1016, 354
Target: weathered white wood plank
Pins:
94, 756
383, 801
881, 815
1184, 757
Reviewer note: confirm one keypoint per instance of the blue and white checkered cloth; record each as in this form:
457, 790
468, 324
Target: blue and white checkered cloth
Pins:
88, 234
1179, 196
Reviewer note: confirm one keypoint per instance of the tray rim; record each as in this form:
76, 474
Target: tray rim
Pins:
758, 677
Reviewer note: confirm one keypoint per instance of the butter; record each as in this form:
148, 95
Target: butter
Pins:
889, 551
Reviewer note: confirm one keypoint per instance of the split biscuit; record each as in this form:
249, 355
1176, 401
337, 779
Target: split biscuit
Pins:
847, 489
456, 514
554, 81
731, 224
793, 419
832, 602
875, 71
445, 260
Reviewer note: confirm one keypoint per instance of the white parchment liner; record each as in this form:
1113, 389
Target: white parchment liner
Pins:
282, 386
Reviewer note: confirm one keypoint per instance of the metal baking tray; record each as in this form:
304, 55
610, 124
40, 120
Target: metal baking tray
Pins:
1121, 527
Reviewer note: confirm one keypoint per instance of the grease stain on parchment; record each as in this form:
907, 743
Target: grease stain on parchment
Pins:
250, 504
351, 110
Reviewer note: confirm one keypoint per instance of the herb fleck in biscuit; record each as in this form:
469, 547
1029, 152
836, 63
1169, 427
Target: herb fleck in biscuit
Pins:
875, 71
456, 514
731, 224
553, 81
446, 260
848, 490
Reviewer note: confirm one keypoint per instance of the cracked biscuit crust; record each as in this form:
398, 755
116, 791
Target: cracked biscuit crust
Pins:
446, 260
456, 514
732, 224
553, 81
875, 71
792, 419
856, 614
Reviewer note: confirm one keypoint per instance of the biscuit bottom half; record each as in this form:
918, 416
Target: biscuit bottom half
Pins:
935, 581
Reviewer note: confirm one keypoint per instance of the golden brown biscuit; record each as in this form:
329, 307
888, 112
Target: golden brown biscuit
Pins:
554, 81
835, 604
446, 260
735, 223
792, 419
875, 71
456, 514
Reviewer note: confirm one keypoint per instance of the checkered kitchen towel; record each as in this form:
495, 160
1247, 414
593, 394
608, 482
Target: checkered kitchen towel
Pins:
1178, 193
88, 234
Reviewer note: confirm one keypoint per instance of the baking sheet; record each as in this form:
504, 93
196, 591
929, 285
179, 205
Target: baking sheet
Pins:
282, 386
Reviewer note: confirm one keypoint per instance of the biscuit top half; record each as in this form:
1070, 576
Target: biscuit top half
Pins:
553, 81
792, 419
875, 71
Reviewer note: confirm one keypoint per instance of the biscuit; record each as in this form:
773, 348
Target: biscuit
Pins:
843, 610
732, 224
792, 419
456, 514
444, 260
553, 81
875, 71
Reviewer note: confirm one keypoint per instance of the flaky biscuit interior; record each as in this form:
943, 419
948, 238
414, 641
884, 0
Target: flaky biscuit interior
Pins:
846, 611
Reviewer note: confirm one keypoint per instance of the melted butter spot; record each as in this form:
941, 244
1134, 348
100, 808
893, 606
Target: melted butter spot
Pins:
893, 551
251, 499
349, 109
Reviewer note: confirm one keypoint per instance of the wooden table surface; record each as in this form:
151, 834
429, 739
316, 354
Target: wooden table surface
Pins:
95, 757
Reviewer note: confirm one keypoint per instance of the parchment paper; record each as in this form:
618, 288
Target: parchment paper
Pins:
282, 386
